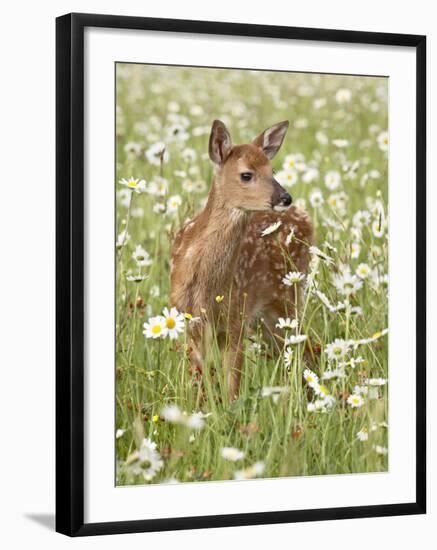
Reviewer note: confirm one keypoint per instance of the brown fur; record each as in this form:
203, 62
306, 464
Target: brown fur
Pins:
221, 251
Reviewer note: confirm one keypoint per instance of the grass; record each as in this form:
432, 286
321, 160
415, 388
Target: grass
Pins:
281, 431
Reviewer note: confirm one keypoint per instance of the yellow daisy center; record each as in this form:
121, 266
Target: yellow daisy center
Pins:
131, 183
170, 323
156, 329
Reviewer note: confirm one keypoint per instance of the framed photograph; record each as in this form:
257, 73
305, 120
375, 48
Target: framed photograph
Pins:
240, 274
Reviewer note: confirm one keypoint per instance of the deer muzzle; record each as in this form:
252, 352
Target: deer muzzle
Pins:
281, 199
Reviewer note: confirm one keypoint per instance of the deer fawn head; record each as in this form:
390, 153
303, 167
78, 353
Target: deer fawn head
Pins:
244, 175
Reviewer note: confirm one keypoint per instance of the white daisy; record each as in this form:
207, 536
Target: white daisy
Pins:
173, 323
255, 470
293, 340
310, 175
157, 153
155, 327
146, 461
337, 349
343, 95
287, 323
376, 381
287, 178
141, 257
173, 204
380, 450
332, 179
274, 392
355, 250
271, 228
134, 184
288, 357
311, 378
293, 278
363, 271
346, 283
316, 198
382, 141
363, 434
231, 453
355, 400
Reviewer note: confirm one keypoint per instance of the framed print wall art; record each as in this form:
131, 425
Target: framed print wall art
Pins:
240, 274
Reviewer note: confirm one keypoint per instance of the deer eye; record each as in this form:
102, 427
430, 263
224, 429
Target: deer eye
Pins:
246, 176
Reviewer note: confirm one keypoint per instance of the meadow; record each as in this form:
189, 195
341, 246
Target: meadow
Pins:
299, 413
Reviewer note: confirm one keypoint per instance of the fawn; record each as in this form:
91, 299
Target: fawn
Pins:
221, 252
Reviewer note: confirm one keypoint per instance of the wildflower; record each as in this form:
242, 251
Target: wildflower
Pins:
289, 237
314, 251
134, 184
172, 413
382, 141
316, 198
158, 208
363, 271
376, 381
373, 338
219, 299
122, 239
311, 378
337, 349
332, 179
322, 138
363, 434
274, 392
355, 250
378, 228
288, 357
287, 323
311, 174
255, 470
133, 149
135, 277
380, 450
346, 283
333, 373
271, 228
157, 153
159, 187
293, 340
173, 204
355, 400
343, 95
195, 421
146, 461
361, 218
232, 454
189, 154
141, 256
287, 178
294, 162
173, 323
155, 327
119, 433
340, 143
293, 278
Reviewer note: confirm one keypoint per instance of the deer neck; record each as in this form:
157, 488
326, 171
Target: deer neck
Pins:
220, 233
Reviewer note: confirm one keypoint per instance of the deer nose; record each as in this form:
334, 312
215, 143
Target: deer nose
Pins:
285, 198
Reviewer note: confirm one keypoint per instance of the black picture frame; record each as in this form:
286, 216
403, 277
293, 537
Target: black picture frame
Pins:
70, 272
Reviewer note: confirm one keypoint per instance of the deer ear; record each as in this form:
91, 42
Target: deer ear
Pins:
271, 139
220, 142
